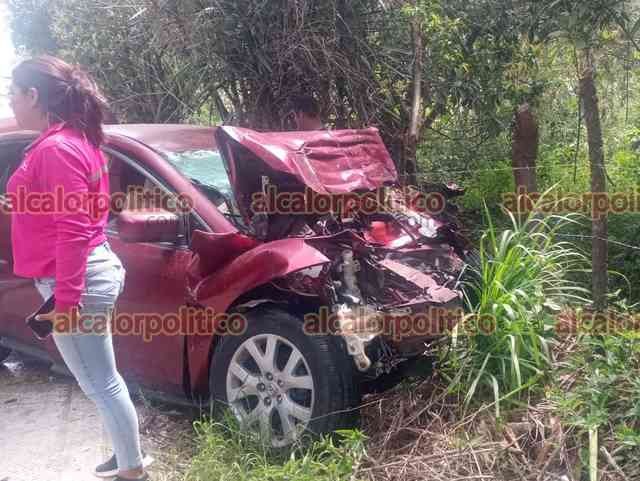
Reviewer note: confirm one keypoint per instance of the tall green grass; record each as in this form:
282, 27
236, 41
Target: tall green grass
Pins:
522, 276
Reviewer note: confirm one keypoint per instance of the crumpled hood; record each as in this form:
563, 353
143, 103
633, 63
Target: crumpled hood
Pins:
328, 162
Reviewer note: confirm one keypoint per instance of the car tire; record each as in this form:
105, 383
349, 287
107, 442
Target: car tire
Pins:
283, 399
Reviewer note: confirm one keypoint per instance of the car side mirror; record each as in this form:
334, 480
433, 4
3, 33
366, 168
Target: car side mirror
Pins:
150, 225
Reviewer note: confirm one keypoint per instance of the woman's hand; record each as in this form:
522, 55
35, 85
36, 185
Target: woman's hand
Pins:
63, 321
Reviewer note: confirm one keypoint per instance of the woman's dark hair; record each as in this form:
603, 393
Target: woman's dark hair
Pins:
65, 92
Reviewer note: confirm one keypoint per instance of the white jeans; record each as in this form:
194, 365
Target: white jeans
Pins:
90, 356
104, 280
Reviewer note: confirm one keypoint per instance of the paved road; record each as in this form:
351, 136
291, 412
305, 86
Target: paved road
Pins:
50, 431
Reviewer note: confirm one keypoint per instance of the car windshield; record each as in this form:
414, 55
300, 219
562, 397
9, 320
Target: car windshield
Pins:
206, 170
204, 167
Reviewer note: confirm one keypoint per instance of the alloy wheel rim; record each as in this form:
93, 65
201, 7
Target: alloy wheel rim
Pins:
270, 388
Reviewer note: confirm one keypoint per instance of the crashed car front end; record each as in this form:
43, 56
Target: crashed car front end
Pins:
395, 255
388, 279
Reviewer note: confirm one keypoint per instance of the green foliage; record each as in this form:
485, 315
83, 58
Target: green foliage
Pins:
520, 280
227, 453
586, 23
166, 61
474, 57
129, 51
458, 150
488, 186
604, 393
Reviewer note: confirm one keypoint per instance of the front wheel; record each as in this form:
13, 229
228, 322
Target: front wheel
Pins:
279, 381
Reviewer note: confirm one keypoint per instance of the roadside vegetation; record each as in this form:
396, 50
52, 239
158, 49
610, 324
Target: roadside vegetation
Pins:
542, 395
225, 452
520, 283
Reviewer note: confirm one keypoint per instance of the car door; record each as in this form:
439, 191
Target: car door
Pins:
18, 295
154, 287
148, 341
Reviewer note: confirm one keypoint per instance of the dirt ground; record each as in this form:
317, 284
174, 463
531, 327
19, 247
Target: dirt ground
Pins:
50, 431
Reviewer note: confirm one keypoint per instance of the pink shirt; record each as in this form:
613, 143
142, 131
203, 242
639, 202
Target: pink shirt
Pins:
59, 198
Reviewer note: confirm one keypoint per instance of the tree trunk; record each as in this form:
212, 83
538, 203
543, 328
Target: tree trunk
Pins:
589, 98
525, 150
411, 153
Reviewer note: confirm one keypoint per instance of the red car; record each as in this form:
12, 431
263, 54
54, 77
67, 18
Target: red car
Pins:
282, 274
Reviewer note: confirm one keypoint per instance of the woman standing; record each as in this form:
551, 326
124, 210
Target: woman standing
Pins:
64, 248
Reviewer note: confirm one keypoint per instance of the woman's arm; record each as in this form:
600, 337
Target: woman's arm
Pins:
59, 168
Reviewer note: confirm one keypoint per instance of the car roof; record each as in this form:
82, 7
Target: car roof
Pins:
160, 137
167, 137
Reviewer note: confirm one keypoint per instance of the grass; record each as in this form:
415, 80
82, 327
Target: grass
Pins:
226, 453
521, 279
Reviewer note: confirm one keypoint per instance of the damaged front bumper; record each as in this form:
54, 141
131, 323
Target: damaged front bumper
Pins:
406, 330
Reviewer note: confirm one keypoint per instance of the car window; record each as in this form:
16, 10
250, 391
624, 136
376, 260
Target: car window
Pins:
207, 172
204, 167
132, 189
124, 180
